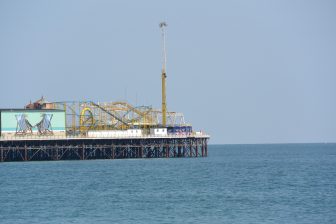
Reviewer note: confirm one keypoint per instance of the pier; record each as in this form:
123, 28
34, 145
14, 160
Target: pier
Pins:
84, 130
84, 148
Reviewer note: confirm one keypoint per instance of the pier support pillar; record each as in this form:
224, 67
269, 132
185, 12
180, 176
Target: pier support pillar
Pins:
25, 153
191, 148
202, 148
179, 151
83, 154
56, 153
167, 150
113, 147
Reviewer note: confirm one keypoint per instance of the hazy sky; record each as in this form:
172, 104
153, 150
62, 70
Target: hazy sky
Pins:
243, 71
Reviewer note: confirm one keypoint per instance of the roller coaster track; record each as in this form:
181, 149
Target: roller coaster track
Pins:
131, 108
111, 114
124, 115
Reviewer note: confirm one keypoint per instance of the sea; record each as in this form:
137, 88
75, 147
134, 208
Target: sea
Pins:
268, 183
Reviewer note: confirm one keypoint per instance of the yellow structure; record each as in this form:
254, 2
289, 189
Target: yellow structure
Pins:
86, 120
164, 76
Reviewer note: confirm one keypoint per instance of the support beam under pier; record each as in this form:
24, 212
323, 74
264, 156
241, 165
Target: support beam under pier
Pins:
86, 149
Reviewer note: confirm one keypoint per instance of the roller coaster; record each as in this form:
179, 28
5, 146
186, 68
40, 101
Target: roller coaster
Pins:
83, 116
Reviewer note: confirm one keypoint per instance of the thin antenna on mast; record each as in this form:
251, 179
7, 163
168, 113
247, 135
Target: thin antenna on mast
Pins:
164, 57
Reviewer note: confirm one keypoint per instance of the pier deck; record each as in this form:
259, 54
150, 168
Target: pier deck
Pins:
84, 148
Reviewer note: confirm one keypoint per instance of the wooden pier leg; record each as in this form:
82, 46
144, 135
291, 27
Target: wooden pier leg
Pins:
191, 148
141, 151
83, 154
179, 154
113, 151
2, 155
56, 156
196, 150
25, 156
167, 150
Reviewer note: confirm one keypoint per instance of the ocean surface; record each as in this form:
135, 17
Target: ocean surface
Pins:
277, 183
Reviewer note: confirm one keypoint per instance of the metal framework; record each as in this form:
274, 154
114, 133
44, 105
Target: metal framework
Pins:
86, 149
82, 116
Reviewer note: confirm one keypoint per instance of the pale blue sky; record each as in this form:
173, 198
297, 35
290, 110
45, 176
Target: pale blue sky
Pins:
244, 71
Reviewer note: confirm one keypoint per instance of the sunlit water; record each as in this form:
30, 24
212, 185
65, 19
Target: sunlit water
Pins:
293, 183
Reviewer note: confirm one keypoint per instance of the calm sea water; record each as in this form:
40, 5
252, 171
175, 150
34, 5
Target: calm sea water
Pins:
287, 183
